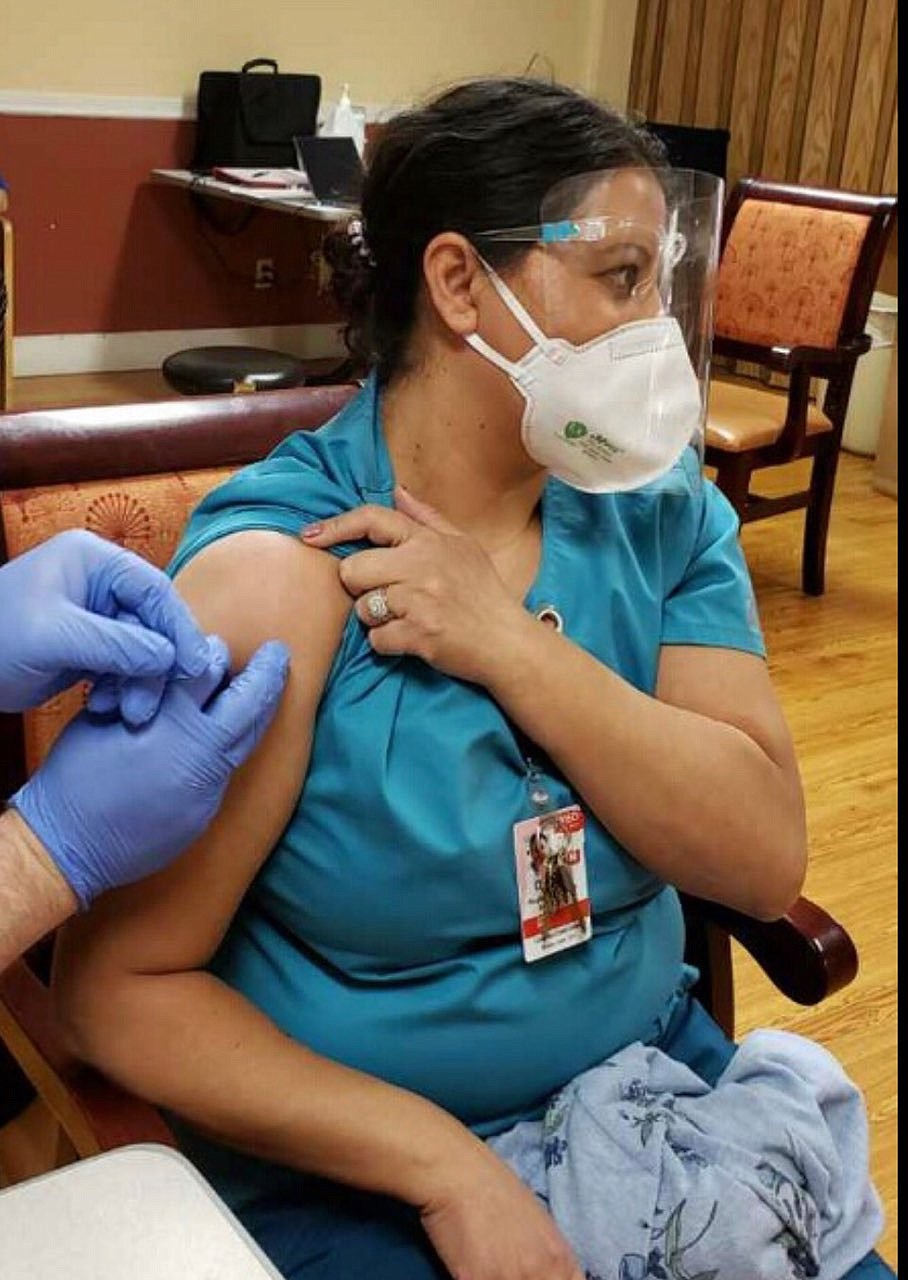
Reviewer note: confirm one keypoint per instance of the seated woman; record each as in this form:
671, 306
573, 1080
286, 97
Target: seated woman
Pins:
340, 990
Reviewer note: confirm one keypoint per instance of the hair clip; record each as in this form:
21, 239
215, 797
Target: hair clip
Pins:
357, 234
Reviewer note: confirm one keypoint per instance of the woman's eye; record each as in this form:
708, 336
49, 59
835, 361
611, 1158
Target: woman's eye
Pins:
624, 279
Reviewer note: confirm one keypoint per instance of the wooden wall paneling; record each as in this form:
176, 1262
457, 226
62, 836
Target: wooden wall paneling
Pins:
867, 98
890, 181
888, 109
764, 89
824, 91
697, 21
805, 86
852, 38
784, 89
673, 61
713, 64
729, 63
644, 68
745, 94
637, 54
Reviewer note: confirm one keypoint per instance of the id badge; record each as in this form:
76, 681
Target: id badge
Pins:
555, 910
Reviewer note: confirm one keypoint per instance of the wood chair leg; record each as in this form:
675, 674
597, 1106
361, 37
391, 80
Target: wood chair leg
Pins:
29, 1145
708, 949
816, 523
733, 478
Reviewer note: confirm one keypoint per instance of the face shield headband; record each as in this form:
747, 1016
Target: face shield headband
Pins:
660, 251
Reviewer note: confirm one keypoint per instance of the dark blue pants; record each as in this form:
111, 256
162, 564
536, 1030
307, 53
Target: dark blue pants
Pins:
328, 1232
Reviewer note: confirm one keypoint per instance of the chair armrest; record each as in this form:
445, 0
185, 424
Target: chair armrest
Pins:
807, 954
95, 1114
819, 360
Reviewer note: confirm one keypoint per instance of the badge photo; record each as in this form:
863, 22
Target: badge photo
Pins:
555, 910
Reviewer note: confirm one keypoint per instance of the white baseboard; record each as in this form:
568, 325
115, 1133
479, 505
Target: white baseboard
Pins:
57, 353
26, 102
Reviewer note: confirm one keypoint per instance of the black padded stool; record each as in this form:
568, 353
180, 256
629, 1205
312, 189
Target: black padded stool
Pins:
206, 371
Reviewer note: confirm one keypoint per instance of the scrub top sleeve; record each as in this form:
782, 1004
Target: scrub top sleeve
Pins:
713, 604
280, 495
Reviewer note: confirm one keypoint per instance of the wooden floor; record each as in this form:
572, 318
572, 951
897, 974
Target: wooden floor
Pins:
88, 388
834, 663
835, 667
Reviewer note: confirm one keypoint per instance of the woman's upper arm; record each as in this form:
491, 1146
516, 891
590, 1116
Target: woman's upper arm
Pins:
730, 686
247, 588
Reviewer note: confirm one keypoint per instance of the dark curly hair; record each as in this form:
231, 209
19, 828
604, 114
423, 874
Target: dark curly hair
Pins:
480, 156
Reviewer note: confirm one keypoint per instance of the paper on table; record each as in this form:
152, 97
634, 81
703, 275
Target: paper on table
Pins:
271, 178
298, 193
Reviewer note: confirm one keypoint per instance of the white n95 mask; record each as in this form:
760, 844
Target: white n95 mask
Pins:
611, 415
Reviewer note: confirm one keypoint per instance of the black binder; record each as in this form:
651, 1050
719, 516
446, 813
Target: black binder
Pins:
250, 119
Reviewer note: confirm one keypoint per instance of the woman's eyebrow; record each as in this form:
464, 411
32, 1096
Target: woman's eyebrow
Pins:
613, 248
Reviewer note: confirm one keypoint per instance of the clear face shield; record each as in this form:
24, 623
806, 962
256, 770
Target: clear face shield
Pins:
616, 295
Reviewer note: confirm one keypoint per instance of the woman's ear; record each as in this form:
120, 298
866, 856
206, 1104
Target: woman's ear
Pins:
453, 277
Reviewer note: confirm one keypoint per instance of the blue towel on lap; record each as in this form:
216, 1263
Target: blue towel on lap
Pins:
650, 1172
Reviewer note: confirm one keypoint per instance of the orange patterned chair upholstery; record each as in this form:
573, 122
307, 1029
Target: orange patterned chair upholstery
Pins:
796, 277
133, 473
144, 513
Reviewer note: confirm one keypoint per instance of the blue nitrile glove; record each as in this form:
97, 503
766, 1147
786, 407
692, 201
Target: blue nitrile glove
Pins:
59, 620
136, 699
112, 803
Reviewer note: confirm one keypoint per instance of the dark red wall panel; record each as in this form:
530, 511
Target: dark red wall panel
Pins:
101, 249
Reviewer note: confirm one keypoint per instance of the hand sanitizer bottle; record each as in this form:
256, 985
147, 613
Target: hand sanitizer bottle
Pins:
347, 121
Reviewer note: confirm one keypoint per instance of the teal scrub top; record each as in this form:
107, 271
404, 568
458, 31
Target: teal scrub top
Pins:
383, 930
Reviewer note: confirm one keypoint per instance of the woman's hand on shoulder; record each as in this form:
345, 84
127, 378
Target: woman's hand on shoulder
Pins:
485, 1224
425, 588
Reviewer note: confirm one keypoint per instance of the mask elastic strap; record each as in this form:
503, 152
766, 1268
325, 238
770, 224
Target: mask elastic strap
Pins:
479, 344
518, 310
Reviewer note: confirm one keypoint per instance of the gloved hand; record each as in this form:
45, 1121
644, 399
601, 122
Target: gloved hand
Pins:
112, 804
60, 606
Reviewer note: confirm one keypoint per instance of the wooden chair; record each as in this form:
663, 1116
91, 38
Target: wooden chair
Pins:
134, 473
6, 305
797, 271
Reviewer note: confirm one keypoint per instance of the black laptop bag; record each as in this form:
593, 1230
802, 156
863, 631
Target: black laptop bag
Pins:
250, 119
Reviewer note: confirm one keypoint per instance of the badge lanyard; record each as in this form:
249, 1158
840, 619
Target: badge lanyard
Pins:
537, 764
550, 863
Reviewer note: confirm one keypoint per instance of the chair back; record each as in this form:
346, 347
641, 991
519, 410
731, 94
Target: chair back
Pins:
133, 474
796, 278
799, 264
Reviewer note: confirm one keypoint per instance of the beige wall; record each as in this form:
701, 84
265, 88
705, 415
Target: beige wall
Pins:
609, 50
389, 50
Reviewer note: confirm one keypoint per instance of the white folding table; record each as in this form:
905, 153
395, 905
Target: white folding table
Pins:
138, 1213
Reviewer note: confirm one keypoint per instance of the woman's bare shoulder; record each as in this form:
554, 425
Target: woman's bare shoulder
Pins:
261, 585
